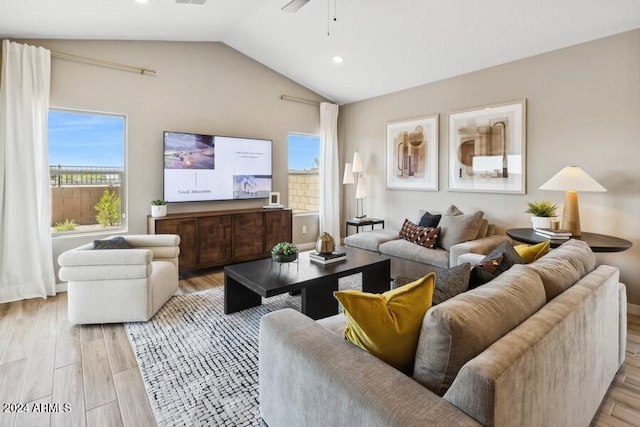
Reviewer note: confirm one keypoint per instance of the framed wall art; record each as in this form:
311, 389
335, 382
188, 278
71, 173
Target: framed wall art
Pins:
412, 154
487, 149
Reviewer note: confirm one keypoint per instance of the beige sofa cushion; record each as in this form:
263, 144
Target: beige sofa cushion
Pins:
564, 266
459, 329
457, 227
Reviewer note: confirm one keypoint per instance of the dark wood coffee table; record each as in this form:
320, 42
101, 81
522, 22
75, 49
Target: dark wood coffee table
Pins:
246, 283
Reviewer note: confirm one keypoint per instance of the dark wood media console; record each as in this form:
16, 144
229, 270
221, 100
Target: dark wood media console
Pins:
218, 238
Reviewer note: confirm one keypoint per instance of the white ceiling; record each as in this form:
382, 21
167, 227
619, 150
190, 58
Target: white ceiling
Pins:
388, 45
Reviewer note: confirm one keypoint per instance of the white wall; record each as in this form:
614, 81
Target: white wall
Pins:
199, 87
583, 108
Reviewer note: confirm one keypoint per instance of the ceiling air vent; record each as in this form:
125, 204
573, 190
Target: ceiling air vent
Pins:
189, 1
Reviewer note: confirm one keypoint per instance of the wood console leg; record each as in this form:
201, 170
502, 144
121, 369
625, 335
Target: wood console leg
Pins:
238, 297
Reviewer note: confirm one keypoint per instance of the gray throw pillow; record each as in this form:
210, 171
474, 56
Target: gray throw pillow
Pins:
451, 282
115, 243
457, 227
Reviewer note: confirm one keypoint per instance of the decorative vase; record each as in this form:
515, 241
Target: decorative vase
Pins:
325, 244
158, 211
284, 258
541, 221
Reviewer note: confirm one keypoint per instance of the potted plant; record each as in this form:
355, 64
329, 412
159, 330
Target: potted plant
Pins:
541, 213
284, 252
158, 208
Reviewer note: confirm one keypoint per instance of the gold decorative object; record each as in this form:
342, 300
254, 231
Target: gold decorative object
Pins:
325, 244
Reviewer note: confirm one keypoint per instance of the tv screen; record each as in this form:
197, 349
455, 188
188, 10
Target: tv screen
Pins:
210, 167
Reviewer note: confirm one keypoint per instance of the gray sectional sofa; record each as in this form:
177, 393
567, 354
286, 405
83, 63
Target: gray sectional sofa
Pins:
411, 260
537, 346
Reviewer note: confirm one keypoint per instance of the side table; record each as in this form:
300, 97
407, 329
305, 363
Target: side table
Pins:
597, 242
362, 223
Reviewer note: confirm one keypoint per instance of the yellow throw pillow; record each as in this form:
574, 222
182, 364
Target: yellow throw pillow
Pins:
388, 325
532, 253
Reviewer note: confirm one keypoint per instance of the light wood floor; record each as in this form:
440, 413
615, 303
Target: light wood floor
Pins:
47, 361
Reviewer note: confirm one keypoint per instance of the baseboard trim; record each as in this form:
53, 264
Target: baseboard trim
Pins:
61, 287
633, 309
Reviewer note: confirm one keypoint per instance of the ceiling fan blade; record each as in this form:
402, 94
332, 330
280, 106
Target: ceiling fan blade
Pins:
294, 5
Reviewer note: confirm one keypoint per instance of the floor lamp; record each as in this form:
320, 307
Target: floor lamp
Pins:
347, 178
361, 190
571, 180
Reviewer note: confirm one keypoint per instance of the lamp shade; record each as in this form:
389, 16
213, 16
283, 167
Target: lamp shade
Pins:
348, 175
357, 163
361, 190
572, 178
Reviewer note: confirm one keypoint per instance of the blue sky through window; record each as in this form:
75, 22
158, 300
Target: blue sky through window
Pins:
85, 139
303, 150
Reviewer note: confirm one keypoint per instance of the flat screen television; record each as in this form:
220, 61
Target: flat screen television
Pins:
210, 167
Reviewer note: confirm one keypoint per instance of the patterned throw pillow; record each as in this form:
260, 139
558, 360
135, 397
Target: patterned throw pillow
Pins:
451, 282
115, 243
497, 262
423, 236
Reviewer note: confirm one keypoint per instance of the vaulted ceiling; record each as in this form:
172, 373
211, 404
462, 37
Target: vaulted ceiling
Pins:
387, 45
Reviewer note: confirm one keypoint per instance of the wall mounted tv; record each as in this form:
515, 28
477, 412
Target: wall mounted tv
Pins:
210, 167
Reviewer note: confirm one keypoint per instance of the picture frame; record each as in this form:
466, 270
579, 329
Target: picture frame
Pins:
412, 153
274, 198
487, 149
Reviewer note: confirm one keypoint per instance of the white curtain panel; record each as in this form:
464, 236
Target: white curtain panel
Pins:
329, 171
26, 259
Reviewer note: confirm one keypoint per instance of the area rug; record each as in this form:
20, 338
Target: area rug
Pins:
200, 366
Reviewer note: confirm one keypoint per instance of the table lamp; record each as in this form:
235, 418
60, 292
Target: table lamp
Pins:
571, 180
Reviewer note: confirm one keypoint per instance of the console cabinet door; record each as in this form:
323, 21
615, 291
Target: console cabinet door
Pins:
277, 226
214, 239
186, 228
248, 235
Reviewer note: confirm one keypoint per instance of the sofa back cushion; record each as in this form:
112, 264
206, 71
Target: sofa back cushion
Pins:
459, 329
564, 266
457, 227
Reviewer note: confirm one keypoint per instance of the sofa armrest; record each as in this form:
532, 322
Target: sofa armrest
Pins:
163, 246
478, 246
90, 257
310, 376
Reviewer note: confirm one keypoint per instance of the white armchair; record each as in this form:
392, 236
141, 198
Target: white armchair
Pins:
121, 285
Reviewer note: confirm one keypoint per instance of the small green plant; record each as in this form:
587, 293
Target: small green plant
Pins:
158, 202
542, 208
66, 225
284, 248
108, 208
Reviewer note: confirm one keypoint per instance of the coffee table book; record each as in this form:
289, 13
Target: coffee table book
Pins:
327, 258
549, 236
553, 233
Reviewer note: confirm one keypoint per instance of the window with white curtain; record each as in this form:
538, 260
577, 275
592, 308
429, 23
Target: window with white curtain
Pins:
87, 170
304, 163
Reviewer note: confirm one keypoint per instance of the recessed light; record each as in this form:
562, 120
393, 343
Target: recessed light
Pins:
142, 1
338, 59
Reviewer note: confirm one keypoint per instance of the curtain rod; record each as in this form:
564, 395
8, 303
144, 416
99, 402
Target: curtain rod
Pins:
102, 62
302, 100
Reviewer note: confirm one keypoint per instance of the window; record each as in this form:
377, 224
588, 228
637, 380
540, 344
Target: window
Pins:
304, 183
86, 166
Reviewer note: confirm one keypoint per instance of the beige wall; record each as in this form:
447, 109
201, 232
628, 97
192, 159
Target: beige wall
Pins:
583, 108
199, 87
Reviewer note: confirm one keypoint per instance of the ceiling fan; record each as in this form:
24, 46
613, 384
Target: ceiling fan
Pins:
294, 5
